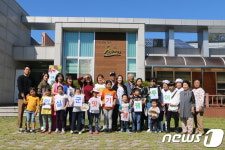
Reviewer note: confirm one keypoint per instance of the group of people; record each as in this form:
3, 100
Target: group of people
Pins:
144, 107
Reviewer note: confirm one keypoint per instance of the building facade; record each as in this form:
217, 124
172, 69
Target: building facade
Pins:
85, 45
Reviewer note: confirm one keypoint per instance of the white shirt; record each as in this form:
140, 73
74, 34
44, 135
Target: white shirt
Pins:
199, 97
119, 93
175, 100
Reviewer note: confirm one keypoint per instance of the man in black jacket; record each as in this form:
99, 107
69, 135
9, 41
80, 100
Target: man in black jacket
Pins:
24, 82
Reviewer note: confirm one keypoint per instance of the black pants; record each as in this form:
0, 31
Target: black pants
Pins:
154, 123
143, 118
60, 115
40, 116
175, 115
69, 111
115, 117
76, 119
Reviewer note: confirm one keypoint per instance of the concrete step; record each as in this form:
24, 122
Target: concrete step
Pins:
9, 111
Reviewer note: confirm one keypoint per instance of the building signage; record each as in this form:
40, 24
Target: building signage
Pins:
111, 52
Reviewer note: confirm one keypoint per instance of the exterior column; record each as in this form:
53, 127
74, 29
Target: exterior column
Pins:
140, 53
58, 44
203, 42
170, 42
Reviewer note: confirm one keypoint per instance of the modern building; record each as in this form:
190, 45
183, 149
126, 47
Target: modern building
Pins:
101, 45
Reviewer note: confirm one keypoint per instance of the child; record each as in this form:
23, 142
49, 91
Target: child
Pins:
136, 110
153, 112
125, 110
94, 104
108, 103
32, 102
46, 102
61, 102
78, 100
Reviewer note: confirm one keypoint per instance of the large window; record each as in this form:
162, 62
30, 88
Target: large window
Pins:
78, 53
131, 53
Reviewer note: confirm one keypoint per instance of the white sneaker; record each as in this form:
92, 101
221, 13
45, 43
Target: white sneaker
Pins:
42, 128
83, 129
20, 130
148, 130
71, 132
80, 132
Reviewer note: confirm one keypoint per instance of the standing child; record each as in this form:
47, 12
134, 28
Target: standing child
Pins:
153, 112
32, 102
136, 104
125, 110
78, 100
108, 103
94, 104
61, 102
47, 102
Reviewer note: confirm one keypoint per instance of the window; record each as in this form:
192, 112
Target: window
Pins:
131, 53
164, 75
86, 44
70, 44
72, 66
183, 75
131, 65
85, 67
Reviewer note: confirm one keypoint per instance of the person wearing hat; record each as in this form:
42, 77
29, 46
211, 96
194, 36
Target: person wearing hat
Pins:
94, 105
163, 107
173, 107
112, 77
153, 84
179, 84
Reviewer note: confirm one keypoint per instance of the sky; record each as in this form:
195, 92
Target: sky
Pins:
162, 9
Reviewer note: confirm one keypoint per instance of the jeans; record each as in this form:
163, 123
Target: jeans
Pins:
108, 118
47, 118
124, 123
30, 116
136, 117
94, 117
149, 105
76, 118
154, 123
60, 115
83, 116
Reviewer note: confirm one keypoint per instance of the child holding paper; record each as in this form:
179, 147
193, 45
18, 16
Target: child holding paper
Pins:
61, 102
46, 102
108, 103
153, 112
125, 110
136, 104
32, 102
94, 104
78, 100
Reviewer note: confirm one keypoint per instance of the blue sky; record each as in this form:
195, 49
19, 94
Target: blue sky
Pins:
163, 9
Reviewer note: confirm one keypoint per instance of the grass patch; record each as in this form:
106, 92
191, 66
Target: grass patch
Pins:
10, 139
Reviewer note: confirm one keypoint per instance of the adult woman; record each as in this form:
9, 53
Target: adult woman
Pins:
143, 92
86, 84
199, 102
186, 108
41, 91
69, 89
58, 82
120, 89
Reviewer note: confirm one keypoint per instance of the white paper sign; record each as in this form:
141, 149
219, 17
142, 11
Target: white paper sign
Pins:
94, 105
59, 104
137, 106
78, 100
47, 102
108, 101
125, 113
154, 93
167, 98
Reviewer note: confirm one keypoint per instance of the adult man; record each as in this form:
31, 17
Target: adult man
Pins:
24, 83
173, 107
112, 78
130, 85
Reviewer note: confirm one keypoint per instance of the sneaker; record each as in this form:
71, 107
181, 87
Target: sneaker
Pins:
33, 131
83, 130
128, 131
80, 132
71, 132
148, 130
156, 132
28, 131
102, 129
56, 131
42, 128
20, 130
49, 132
90, 132
43, 131
63, 132
121, 130
110, 130
96, 132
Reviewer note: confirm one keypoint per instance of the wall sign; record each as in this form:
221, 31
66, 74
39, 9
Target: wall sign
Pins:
111, 52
